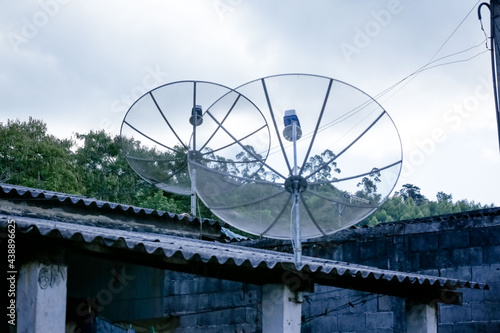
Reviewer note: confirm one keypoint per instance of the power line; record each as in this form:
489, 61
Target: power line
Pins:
406, 79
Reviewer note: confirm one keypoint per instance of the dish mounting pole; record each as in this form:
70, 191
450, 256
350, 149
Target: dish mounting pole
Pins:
297, 244
196, 119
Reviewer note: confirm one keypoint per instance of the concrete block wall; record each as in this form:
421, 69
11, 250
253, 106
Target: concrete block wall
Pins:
212, 305
465, 248
122, 293
339, 310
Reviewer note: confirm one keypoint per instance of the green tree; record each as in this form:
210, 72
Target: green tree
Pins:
413, 192
403, 206
31, 157
104, 171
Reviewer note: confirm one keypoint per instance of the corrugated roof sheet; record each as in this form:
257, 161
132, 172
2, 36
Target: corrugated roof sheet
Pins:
27, 192
192, 250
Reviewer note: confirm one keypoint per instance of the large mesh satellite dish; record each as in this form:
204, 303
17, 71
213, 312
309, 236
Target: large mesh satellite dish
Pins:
170, 123
335, 157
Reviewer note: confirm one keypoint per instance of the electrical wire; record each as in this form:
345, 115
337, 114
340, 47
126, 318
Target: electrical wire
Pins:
358, 301
406, 79
451, 35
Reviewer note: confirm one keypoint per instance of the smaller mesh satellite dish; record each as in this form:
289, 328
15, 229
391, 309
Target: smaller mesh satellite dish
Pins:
335, 157
170, 124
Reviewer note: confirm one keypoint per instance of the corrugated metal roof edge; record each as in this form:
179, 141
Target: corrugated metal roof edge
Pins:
23, 191
227, 254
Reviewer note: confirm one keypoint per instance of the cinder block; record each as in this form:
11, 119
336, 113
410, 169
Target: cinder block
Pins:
373, 262
316, 306
208, 285
493, 295
435, 259
379, 320
467, 256
336, 252
350, 251
352, 323
462, 273
243, 297
321, 252
367, 249
486, 273
398, 239
453, 239
446, 328
252, 315
485, 312
327, 323
187, 322
384, 246
423, 242
229, 285
222, 317
473, 327
473, 295
384, 303
168, 288
450, 314
398, 258
370, 306
414, 260
339, 305
186, 303
220, 300
492, 254
183, 287
485, 236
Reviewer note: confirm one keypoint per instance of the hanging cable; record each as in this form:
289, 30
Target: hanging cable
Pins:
404, 81
451, 35
494, 9
481, 20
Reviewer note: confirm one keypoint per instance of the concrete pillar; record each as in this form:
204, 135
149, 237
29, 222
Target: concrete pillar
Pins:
41, 298
281, 311
421, 317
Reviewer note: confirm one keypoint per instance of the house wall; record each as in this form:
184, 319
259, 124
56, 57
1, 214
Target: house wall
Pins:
121, 292
466, 248
211, 305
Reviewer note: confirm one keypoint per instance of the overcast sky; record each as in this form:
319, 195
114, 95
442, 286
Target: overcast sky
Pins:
79, 65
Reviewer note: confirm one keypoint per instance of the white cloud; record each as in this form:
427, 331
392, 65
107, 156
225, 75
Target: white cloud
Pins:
90, 54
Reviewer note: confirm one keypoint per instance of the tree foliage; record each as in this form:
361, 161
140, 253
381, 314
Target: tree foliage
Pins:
92, 164
31, 157
409, 203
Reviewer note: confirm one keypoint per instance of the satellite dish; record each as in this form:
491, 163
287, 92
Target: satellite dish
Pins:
335, 157
169, 125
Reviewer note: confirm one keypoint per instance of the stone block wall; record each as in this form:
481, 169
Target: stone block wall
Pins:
212, 305
462, 246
